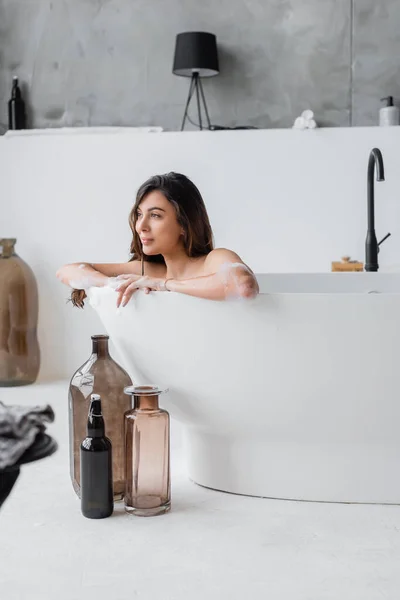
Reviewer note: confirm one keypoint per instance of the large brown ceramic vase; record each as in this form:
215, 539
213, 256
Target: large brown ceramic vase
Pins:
19, 309
100, 374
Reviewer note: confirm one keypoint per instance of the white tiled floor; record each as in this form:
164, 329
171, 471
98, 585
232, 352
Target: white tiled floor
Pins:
211, 545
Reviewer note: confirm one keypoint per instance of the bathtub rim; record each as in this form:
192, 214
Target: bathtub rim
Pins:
321, 283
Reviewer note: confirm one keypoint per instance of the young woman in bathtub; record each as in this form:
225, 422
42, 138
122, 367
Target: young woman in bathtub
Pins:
172, 250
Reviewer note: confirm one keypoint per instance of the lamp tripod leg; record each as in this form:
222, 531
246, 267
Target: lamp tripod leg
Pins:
204, 103
190, 94
198, 101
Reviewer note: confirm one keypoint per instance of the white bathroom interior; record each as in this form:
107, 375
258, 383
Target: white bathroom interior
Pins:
284, 445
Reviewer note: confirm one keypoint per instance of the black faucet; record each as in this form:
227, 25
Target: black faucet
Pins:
371, 245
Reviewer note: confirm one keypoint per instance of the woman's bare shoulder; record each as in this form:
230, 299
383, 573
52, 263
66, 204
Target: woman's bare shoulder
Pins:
219, 256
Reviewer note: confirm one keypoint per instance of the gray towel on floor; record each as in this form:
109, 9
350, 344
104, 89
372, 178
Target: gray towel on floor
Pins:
19, 426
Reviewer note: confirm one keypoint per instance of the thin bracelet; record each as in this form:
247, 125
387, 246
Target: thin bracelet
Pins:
165, 283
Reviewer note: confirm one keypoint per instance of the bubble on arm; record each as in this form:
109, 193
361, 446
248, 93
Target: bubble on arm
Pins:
83, 283
87, 281
113, 283
231, 275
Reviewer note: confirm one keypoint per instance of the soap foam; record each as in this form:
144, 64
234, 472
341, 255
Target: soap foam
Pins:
83, 283
94, 296
87, 281
231, 278
113, 283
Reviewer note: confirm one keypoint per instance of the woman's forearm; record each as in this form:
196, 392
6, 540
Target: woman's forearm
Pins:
81, 276
216, 286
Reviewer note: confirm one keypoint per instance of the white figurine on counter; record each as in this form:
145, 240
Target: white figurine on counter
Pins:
305, 121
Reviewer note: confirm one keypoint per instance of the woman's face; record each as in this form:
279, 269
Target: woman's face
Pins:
157, 225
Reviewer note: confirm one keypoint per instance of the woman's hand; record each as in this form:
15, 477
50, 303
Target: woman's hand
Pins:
129, 284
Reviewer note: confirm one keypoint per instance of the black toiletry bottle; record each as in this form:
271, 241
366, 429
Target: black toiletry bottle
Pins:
16, 108
96, 466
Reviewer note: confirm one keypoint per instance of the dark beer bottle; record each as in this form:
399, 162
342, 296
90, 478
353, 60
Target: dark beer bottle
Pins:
16, 108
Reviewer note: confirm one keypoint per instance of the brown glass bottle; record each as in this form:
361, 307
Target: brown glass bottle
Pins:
100, 374
19, 310
147, 454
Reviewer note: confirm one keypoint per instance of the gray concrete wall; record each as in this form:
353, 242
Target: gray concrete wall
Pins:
108, 62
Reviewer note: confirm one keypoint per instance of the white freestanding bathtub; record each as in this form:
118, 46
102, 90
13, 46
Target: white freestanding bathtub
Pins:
295, 394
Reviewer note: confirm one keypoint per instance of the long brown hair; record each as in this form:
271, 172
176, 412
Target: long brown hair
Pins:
191, 214
190, 211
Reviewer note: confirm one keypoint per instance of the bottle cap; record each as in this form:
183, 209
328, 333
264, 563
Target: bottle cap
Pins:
15, 92
388, 100
95, 405
145, 390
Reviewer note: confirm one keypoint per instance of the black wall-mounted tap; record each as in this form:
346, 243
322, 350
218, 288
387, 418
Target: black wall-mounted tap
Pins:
371, 244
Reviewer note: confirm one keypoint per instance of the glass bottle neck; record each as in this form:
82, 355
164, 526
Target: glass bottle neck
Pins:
7, 247
95, 426
100, 347
145, 403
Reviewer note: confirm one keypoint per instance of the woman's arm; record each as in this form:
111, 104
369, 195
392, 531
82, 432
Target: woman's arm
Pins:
82, 276
211, 287
228, 278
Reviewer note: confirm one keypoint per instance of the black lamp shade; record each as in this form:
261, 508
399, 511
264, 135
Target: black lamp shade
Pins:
196, 52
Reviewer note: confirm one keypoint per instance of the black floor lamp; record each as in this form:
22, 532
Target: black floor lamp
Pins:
196, 56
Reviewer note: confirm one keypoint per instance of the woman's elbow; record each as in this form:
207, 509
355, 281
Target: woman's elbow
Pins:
61, 273
248, 288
